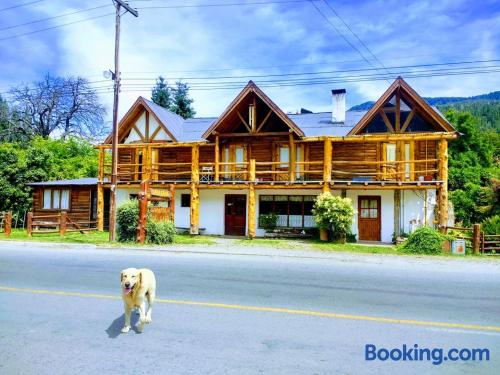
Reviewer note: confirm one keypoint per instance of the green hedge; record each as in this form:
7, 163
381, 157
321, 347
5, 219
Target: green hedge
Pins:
127, 216
424, 240
160, 232
491, 225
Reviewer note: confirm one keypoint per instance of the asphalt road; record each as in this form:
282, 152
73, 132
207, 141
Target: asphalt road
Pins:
341, 303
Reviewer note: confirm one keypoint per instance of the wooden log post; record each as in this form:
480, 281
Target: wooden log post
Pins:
476, 238
443, 188
292, 156
172, 203
143, 211
7, 223
100, 191
217, 156
251, 200
100, 207
327, 165
29, 223
195, 197
63, 219
397, 213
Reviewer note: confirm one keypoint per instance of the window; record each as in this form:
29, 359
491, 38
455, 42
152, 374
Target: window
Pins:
284, 156
294, 211
185, 200
390, 152
56, 199
369, 208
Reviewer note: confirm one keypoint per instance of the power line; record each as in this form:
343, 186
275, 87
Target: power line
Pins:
355, 35
223, 4
340, 33
21, 5
56, 26
329, 72
54, 17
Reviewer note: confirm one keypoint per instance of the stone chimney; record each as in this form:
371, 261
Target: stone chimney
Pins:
338, 108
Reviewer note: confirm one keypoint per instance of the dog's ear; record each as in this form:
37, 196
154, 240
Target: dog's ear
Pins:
121, 276
140, 277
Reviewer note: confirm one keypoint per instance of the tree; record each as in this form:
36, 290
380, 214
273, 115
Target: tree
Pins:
13, 125
67, 106
473, 169
161, 93
182, 103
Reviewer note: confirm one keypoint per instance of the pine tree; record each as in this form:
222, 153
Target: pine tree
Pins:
182, 103
161, 93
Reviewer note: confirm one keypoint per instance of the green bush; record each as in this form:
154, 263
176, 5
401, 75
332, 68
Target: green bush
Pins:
491, 225
127, 216
160, 232
333, 212
424, 240
268, 222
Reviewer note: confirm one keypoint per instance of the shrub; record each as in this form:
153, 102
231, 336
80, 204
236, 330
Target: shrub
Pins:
333, 212
491, 225
424, 240
160, 232
127, 216
268, 221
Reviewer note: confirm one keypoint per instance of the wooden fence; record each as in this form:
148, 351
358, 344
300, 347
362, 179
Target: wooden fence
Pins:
57, 223
6, 223
478, 241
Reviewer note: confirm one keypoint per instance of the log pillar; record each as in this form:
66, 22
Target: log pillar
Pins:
172, 203
476, 238
217, 156
327, 165
143, 211
195, 197
397, 212
7, 223
251, 200
292, 157
443, 187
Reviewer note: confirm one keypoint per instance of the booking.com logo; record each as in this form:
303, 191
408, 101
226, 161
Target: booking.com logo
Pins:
435, 355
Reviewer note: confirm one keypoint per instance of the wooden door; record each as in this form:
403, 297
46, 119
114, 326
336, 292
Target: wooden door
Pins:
369, 223
235, 214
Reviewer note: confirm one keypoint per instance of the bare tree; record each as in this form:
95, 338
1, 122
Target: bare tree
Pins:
65, 106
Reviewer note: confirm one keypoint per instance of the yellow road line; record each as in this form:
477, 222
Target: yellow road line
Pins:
266, 309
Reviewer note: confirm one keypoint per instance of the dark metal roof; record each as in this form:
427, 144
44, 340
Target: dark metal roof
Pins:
76, 182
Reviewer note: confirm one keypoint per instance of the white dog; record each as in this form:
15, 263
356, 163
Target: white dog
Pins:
137, 284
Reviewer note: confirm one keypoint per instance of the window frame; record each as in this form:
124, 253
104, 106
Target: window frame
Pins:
60, 193
288, 200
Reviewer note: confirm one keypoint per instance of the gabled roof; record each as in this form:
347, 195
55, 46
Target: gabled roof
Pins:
169, 121
400, 84
249, 88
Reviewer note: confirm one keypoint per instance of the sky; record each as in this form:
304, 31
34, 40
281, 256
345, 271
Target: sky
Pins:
254, 41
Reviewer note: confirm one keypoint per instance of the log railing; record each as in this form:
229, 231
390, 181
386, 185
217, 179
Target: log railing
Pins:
60, 223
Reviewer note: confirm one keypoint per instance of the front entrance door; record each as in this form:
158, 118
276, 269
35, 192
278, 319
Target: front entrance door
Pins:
369, 218
235, 214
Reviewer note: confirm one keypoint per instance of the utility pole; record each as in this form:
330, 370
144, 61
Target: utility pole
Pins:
114, 150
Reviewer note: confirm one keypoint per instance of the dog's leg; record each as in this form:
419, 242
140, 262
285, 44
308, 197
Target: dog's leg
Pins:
128, 311
151, 300
142, 315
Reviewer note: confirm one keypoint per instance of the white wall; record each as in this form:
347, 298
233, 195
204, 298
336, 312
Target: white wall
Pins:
414, 213
181, 216
123, 194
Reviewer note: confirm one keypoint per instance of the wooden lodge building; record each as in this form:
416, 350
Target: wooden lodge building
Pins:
220, 174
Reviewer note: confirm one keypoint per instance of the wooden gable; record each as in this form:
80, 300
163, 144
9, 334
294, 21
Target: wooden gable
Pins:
141, 125
401, 110
252, 113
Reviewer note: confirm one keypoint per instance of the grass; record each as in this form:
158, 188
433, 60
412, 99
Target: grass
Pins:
274, 242
97, 238
356, 248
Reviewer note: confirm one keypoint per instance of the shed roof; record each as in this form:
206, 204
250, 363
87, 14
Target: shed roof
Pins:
88, 181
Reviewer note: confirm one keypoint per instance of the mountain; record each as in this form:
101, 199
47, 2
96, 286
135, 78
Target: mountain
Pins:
485, 107
439, 101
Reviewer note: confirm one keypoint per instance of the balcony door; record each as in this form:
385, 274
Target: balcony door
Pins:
369, 220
